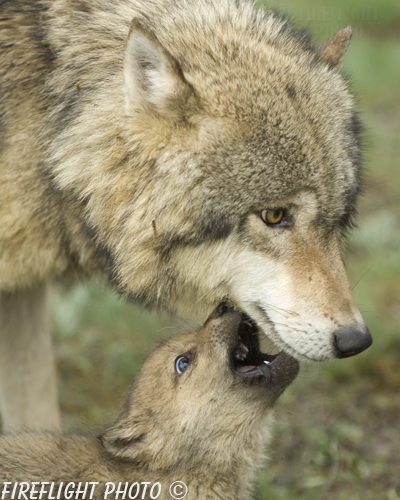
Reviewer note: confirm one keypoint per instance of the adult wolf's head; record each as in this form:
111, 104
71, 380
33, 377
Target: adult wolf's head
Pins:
234, 175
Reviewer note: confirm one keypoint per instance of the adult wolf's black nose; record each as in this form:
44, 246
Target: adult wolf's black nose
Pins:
222, 309
351, 341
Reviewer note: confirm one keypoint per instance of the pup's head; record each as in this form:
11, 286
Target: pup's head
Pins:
202, 397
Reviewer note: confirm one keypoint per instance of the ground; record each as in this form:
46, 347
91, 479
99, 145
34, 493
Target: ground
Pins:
338, 431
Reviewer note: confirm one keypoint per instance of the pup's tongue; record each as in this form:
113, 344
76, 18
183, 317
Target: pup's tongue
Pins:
244, 369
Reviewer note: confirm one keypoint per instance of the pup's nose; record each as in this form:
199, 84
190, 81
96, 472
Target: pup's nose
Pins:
222, 309
351, 341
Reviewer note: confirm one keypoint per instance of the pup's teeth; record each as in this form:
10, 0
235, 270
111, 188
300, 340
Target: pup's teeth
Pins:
241, 356
266, 362
250, 327
243, 347
241, 352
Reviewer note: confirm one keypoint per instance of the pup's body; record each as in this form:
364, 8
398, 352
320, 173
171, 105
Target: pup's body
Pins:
152, 141
199, 412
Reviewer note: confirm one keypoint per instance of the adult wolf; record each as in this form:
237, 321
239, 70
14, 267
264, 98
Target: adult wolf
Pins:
193, 152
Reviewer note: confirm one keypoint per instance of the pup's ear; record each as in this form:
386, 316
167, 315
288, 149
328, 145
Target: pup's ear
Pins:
153, 78
123, 439
333, 51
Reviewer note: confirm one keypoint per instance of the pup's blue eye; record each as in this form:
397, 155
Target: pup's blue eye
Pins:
181, 364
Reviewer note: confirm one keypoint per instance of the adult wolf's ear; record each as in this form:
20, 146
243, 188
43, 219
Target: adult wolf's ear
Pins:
153, 78
333, 51
124, 438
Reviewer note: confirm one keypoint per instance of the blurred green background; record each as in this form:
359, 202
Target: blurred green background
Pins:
338, 427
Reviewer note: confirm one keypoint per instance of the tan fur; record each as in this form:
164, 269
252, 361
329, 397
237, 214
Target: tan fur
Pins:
142, 140
25, 312
207, 427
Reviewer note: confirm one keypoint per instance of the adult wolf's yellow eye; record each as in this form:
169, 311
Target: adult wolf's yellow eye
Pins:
272, 217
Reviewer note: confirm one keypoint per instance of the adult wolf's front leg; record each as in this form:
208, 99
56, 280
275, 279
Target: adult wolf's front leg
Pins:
28, 397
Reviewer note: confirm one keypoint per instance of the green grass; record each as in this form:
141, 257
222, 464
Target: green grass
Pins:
338, 426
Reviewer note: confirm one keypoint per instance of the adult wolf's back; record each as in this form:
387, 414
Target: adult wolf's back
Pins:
192, 151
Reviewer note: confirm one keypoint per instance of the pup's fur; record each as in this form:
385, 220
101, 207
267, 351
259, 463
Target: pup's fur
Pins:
207, 427
143, 139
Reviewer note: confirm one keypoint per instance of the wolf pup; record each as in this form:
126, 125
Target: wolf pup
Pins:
192, 152
199, 412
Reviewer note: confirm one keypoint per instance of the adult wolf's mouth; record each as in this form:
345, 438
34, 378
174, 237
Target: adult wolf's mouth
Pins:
248, 361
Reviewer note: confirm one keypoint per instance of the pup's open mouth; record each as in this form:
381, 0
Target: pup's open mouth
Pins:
247, 359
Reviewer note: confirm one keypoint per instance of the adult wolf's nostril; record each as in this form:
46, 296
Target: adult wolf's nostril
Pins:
351, 341
222, 309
